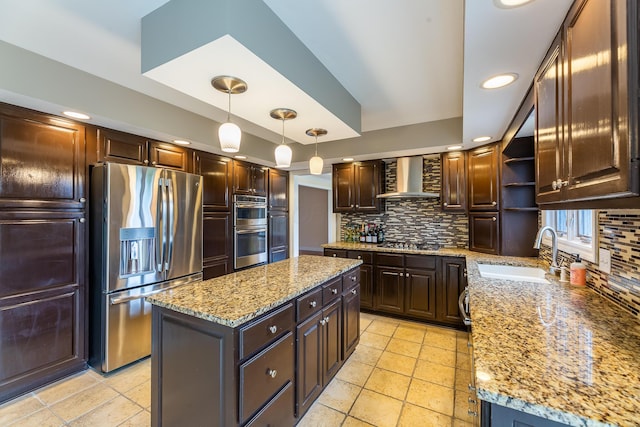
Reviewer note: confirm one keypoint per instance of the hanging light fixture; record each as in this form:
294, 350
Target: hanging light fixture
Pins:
316, 163
283, 151
229, 133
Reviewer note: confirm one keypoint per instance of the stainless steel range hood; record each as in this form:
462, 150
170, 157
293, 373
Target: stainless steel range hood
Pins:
409, 180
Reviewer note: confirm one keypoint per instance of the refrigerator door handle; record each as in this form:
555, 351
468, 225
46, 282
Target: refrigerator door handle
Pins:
170, 224
162, 226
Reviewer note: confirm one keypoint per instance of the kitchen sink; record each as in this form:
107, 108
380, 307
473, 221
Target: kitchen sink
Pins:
512, 272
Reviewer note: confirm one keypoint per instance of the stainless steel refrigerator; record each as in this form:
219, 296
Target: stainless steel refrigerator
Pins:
146, 237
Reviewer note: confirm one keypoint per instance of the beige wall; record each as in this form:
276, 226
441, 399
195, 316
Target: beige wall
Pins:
313, 223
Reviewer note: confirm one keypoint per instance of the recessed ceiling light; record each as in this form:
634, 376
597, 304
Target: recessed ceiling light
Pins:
240, 157
76, 115
454, 147
508, 4
481, 139
348, 159
181, 142
499, 81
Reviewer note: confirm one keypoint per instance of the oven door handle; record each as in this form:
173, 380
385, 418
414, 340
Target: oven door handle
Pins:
251, 205
462, 299
249, 231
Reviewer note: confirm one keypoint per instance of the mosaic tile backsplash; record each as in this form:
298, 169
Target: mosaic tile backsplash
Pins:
416, 220
619, 232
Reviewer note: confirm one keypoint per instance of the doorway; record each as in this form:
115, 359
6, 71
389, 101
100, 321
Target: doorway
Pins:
313, 223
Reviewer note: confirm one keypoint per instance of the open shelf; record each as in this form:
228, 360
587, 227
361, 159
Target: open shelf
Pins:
524, 209
519, 159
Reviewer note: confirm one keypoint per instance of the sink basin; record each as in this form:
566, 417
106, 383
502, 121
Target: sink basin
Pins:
512, 272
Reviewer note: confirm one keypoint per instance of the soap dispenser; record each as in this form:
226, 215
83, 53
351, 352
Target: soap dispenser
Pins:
578, 272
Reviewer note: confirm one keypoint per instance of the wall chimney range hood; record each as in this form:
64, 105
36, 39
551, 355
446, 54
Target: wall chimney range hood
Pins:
409, 180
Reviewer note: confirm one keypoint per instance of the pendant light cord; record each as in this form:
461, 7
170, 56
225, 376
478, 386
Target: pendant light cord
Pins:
283, 131
229, 109
316, 145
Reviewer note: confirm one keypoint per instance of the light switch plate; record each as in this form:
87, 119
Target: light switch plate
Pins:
604, 257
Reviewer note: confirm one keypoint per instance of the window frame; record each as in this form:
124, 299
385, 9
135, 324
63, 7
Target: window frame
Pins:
572, 244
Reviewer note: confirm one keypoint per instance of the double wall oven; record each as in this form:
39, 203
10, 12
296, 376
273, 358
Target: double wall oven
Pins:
249, 230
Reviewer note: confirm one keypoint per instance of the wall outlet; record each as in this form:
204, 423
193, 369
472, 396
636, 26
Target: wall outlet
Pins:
604, 257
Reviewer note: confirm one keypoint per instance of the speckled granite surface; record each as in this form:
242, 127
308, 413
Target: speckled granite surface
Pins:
236, 298
552, 350
372, 247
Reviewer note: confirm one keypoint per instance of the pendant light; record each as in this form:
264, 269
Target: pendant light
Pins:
316, 163
283, 151
229, 133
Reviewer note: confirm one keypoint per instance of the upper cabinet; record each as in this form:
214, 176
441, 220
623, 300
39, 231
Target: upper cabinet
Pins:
586, 132
483, 179
454, 181
356, 185
249, 178
121, 147
42, 161
278, 189
216, 180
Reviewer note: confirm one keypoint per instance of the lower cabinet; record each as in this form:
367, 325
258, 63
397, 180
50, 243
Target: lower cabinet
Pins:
494, 415
217, 237
420, 287
265, 372
278, 236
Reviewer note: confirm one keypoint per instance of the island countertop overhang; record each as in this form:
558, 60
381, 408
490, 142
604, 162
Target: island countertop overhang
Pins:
237, 298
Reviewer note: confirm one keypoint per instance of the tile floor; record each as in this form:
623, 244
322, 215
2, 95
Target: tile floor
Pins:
402, 374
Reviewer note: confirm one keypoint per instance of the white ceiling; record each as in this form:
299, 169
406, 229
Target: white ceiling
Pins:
405, 61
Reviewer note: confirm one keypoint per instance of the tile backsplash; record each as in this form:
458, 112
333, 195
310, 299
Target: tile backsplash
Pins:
619, 232
416, 220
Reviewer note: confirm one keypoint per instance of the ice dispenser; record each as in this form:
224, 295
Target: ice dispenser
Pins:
137, 255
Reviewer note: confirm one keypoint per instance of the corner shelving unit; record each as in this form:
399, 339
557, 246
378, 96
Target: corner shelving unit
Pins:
519, 209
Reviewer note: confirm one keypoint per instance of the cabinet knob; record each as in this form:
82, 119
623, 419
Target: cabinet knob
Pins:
357, 206
145, 161
154, 163
326, 319
334, 255
406, 274
82, 200
494, 219
273, 329
334, 291
351, 205
354, 292
323, 322
554, 185
494, 203
353, 278
82, 220
313, 304
272, 373
445, 204
359, 256
472, 413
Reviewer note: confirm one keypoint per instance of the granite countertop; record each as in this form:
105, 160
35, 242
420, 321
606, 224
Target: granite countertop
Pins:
553, 350
236, 298
374, 247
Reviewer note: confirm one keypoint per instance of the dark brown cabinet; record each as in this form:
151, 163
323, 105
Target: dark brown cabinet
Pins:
278, 235
249, 178
278, 189
586, 138
483, 182
120, 147
484, 232
454, 181
216, 180
420, 290
366, 275
389, 286
452, 281
356, 185
350, 319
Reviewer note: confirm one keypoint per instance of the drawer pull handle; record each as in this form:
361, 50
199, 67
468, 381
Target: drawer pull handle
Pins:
472, 413
272, 373
471, 388
472, 401
313, 304
273, 329
334, 291
353, 291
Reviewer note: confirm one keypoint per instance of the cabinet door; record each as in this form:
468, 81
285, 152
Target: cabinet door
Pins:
343, 181
216, 180
120, 147
549, 132
332, 340
309, 362
484, 232
366, 286
390, 290
278, 189
453, 280
259, 178
242, 181
41, 161
217, 240
163, 155
483, 178
597, 163
367, 186
350, 320
420, 299
278, 236
454, 181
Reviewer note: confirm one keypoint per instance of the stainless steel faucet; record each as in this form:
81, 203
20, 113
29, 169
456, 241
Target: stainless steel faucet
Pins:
554, 269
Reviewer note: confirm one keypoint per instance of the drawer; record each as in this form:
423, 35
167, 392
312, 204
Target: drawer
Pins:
391, 260
366, 257
262, 376
260, 333
331, 290
336, 253
279, 411
309, 303
420, 261
350, 278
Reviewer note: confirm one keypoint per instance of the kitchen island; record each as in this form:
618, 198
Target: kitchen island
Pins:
545, 354
252, 347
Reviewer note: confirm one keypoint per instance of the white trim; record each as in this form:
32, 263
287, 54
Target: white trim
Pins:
587, 252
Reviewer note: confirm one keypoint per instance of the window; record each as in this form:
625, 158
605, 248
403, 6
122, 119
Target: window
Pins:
577, 231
